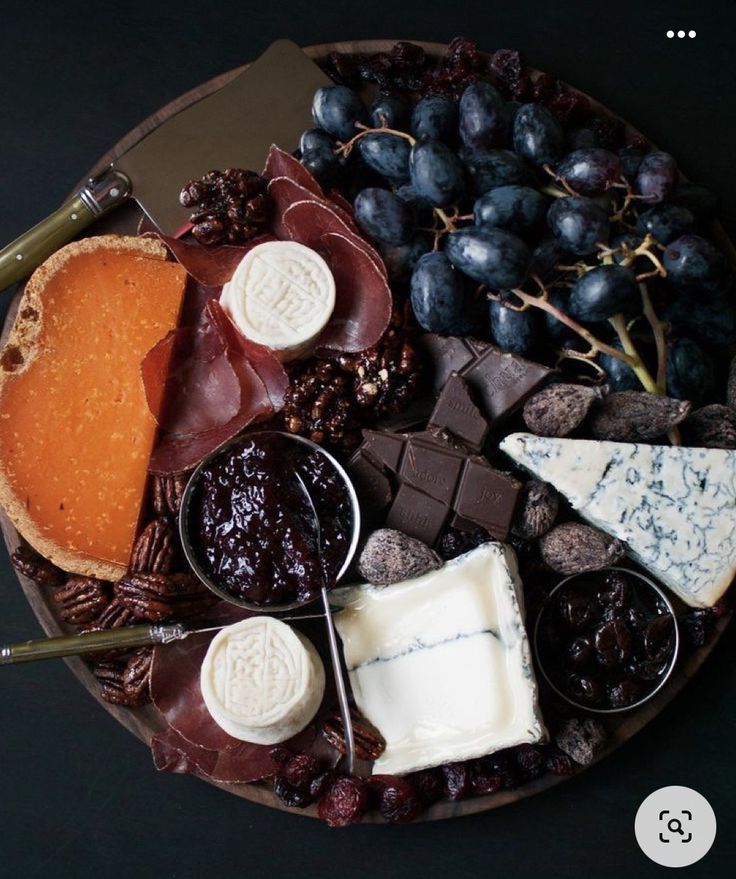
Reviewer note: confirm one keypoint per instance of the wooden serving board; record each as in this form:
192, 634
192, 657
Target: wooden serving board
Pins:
146, 722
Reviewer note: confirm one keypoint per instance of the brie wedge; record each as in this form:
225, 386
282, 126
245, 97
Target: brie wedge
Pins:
262, 681
440, 664
674, 507
281, 295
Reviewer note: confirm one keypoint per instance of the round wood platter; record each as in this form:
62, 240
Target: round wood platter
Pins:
146, 722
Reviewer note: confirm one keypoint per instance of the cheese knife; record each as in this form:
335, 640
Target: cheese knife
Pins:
267, 103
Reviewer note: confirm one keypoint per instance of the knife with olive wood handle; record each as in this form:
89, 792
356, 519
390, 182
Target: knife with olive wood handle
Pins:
233, 127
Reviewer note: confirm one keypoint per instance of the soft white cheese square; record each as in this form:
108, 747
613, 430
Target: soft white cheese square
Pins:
441, 664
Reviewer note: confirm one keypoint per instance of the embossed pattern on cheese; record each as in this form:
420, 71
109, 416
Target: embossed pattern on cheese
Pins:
281, 295
674, 507
441, 664
261, 681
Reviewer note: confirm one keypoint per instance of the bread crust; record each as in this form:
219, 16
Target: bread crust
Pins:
19, 351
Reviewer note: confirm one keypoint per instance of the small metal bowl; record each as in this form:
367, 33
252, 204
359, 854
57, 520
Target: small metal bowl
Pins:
185, 521
639, 582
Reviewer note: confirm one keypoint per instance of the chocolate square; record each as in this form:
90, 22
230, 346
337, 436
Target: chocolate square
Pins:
432, 466
457, 412
417, 514
487, 497
384, 448
372, 484
447, 354
502, 381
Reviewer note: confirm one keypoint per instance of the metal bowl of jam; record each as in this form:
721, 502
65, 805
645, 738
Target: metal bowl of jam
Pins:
248, 527
606, 641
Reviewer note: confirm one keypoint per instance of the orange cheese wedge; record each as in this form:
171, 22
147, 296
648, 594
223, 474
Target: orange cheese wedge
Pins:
75, 431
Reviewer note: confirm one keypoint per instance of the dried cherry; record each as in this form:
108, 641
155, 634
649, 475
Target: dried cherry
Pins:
345, 801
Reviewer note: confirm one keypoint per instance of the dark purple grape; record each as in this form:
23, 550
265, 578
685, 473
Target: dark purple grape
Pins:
590, 171
665, 221
697, 199
389, 111
490, 256
436, 173
580, 139
694, 262
538, 136
557, 333
514, 331
690, 371
323, 165
316, 139
401, 258
545, 257
437, 293
407, 193
711, 320
483, 116
383, 216
488, 169
631, 157
519, 209
388, 154
578, 223
619, 376
336, 109
656, 176
603, 292
434, 117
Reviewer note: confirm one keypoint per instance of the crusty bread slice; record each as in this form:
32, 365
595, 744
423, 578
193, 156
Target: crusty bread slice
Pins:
29, 356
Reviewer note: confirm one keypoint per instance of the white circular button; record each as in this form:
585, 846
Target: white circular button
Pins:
675, 826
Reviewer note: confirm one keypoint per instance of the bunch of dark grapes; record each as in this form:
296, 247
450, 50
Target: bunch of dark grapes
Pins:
483, 184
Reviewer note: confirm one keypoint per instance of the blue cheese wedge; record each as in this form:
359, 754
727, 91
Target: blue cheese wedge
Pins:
281, 295
261, 680
440, 664
673, 507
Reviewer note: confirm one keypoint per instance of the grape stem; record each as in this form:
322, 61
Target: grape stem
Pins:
346, 148
638, 366
658, 331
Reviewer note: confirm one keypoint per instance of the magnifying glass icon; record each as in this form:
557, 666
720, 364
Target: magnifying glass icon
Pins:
674, 825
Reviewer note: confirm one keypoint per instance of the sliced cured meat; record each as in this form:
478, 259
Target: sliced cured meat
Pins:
363, 300
190, 380
211, 266
282, 164
196, 298
284, 192
344, 208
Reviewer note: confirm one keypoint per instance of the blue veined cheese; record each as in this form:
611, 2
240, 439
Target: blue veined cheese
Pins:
674, 507
441, 664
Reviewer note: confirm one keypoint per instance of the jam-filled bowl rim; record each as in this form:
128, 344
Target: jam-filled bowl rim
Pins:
185, 510
642, 582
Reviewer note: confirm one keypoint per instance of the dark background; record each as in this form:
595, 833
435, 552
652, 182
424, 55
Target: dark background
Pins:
78, 794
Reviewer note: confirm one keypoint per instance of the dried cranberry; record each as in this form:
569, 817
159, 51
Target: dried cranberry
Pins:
544, 87
580, 651
530, 760
501, 764
560, 763
291, 796
345, 801
658, 638
613, 643
429, 785
301, 769
280, 755
609, 131
456, 780
319, 784
577, 610
616, 592
404, 54
398, 801
485, 779
508, 65
623, 694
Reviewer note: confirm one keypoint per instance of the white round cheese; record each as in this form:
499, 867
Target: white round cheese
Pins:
262, 681
281, 295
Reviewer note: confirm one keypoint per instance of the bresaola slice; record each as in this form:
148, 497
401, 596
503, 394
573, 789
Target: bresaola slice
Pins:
211, 266
246, 383
362, 310
279, 163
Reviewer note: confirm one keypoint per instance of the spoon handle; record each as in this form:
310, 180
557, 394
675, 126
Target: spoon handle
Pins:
342, 695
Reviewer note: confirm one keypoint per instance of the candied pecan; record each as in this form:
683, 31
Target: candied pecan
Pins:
29, 563
167, 493
158, 597
369, 743
153, 550
111, 673
81, 599
115, 615
137, 675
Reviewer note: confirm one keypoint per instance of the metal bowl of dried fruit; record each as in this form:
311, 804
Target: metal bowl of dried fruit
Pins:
606, 641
